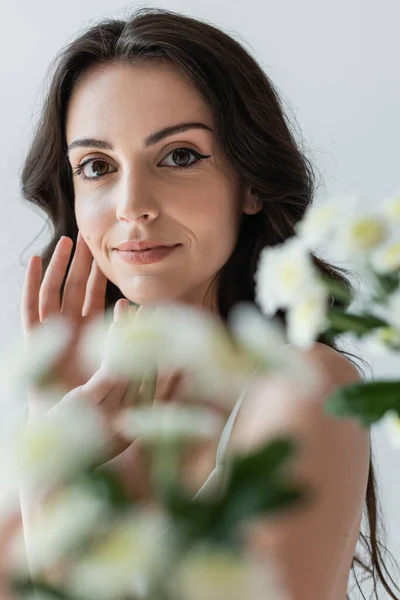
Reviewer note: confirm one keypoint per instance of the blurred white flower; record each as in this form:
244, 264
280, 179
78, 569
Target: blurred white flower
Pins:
391, 425
306, 318
360, 233
322, 220
266, 340
62, 523
129, 346
122, 563
386, 259
168, 423
392, 207
51, 446
29, 361
381, 340
394, 308
174, 337
218, 574
284, 272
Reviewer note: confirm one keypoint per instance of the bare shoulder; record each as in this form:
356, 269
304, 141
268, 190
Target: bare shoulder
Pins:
276, 403
334, 365
314, 545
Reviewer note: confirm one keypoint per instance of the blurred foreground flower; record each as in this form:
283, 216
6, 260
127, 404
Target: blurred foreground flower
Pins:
208, 573
124, 561
217, 360
30, 361
169, 423
391, 425
52, 446
64, 522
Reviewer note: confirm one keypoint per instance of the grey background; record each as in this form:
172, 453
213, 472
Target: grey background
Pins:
336, 65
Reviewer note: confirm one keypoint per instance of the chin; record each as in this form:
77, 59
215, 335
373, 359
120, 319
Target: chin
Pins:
150, 294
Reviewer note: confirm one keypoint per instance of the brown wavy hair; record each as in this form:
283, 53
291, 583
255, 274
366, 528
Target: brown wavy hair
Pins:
253, 131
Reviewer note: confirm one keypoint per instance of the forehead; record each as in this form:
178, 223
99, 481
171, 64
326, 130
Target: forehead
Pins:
114, 99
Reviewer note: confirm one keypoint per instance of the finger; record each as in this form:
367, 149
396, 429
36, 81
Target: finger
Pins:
147, 389
121, 308
101, 385
75, 285
29, 306
95, 299
49, 296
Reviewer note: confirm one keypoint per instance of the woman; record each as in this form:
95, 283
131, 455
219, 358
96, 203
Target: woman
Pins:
163, 131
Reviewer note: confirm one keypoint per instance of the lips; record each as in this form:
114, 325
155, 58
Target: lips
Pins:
131, 246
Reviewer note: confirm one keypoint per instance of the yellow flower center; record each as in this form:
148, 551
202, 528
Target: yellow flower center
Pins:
368, 232
392, 256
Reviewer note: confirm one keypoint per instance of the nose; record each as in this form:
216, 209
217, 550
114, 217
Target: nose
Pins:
135, 200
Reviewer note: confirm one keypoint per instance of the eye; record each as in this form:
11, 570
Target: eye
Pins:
179, 155
96, 165
100, 166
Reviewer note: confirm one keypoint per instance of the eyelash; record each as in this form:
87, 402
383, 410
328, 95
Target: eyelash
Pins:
78, 170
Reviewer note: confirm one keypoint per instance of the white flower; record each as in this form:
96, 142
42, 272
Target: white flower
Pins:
394, 308
212, 574
392, 207
121, 564
265, 339
386, 259
391, 425
168, 423
360, 234
62, 523
323, 219
284, 272
51, 446
306, 318
29, 361
129, 346
382, 340
175, 337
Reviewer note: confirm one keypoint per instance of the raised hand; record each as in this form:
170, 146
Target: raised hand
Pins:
83, 299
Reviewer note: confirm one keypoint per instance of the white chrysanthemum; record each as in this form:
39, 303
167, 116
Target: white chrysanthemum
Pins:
322, 220
49, 447
391, 425
387, 258
392, 207
60, 526
394, 308
122, 563
306, 319
284, 272
176, 337
217, 574
360, 234
129, 346
29, 361
266, 340
168, 423
382, 340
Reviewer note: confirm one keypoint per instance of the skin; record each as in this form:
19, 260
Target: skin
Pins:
136, 198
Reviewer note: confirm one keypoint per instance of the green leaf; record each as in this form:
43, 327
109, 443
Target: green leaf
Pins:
387, 284
107, 484
257, 485
367, 401
337, 289
342, 321
23, 587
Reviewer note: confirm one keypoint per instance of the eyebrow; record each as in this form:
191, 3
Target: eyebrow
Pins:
152, 139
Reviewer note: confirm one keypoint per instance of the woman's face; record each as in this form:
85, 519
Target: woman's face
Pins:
135, 189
